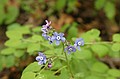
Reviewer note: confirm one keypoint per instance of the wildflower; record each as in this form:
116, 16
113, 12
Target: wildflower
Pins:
47, 37
79, 42
41, 58
70, 49
58, 37
46, 27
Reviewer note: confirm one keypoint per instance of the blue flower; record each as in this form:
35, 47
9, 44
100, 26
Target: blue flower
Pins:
79, 42
70, 49
46, 27
58, 37
41, 58
47, 37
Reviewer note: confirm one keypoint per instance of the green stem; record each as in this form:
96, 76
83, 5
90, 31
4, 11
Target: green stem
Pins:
105, 42
59, 69
43, 67
68, 63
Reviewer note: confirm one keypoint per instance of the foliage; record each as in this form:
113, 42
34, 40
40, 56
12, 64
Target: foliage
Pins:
25, 41
8, 14
84, 65
108, 6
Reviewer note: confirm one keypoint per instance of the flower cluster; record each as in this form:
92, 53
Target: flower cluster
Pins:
49, 34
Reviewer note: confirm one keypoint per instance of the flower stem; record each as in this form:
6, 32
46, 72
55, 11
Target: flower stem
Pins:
68, 63
43, 68
105, 42
59, 69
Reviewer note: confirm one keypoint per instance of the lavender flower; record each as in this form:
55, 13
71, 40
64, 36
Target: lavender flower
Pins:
79, 42
70, 49
46, 27
41, 58
58, 37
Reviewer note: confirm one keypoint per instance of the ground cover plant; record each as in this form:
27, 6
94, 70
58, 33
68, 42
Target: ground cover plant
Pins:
64, 39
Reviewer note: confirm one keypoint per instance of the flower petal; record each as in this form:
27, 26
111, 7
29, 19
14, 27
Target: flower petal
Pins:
63, 39
52, 38
75, 45
40, 62
38, 58
61, 34
78, 47
74, 50
55, 34
57, 42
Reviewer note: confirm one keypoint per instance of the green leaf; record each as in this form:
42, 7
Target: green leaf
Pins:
100, 50
28, 75
110, 10
2, 13
91, 35
19, 53
99, 67
13, 26
71, 4
14, 34
24, 30
94, 77
41, 76
33, 67
12, 14
37, 38
64, 74
60, 4
13, 43
116, 47
7, 51
116, 37
110, 78
32, 47
83, 54
78, 66
114, 72
36, 29
10, 61
49, 74
57, 64
72, 29
99, 4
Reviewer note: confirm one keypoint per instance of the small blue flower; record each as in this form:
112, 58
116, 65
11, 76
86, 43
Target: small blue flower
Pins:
41, 58
47, 37
79, 42
46, 27
70, 49
58, 37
